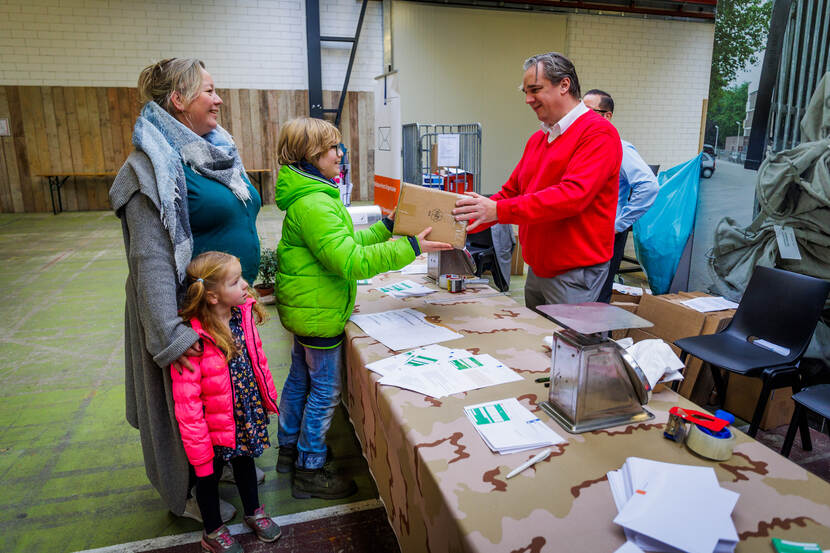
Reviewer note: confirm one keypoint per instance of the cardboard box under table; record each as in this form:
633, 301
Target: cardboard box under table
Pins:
444, 490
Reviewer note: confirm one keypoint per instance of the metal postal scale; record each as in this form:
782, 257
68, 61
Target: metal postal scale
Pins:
594, 382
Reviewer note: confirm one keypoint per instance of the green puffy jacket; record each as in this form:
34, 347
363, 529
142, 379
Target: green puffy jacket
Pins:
321, 256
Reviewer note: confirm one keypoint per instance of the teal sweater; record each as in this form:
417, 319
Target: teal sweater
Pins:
222, 222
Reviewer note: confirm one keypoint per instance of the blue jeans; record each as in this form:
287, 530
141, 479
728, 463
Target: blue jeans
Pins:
310, 394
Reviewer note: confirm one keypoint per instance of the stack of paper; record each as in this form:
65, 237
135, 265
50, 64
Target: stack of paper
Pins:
630, 290
406, 289
673, 508
706, 304
437, 371
414, 358
415, 269
507, 427
402, 329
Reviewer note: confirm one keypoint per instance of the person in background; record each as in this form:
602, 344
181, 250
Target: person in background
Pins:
222, 406
563, 192
321, 257
183, 190
638, 189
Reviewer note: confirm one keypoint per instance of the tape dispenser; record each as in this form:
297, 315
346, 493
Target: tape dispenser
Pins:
708, 436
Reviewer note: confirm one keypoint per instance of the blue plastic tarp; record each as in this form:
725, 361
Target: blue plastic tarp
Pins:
661, 234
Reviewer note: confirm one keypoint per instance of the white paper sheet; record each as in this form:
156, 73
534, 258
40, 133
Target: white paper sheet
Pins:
415, 269
705, 512
448, 376
629, 547
706, 304
775, 348
508, 427
700, 487
420, 356
787, 244
406, 289
401, 329
630, 290
448, 150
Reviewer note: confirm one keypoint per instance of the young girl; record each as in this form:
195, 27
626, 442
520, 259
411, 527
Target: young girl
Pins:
320, 258
222, 404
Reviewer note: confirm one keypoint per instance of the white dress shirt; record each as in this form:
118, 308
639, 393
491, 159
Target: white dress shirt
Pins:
562, 125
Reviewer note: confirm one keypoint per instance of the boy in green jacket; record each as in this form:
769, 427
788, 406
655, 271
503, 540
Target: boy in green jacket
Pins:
320, 259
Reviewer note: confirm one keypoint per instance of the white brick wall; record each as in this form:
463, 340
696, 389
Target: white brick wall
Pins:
656, 70
244, 43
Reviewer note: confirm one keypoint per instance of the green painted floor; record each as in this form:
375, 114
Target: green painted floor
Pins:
71, 469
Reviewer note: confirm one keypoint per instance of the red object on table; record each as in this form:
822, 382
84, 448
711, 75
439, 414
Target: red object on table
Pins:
459, 182
700, 418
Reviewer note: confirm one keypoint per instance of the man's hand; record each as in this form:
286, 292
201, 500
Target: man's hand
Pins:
193, 351
475, 206
429, 245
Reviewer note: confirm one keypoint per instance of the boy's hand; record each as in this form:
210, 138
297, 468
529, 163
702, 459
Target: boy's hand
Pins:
193, 351
392, 215
429, 245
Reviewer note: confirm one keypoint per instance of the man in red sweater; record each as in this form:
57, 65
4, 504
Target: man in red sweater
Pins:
563, 192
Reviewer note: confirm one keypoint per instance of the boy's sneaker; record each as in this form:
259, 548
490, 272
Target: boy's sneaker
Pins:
288, 456
191, 509
322, 483
263, 526
220, 541
227, 475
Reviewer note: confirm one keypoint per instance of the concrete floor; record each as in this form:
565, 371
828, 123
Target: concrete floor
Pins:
71, 469
730, 192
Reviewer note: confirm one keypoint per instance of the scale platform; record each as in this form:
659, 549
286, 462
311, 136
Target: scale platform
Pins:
593, 317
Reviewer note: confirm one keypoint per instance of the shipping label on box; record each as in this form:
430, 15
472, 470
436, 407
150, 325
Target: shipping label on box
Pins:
420, 207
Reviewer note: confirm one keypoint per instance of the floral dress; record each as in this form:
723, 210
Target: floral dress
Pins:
249, 415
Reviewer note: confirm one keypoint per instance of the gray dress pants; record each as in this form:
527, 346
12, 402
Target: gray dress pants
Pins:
579, 285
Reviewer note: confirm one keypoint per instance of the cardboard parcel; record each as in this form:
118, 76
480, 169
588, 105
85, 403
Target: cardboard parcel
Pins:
420, 207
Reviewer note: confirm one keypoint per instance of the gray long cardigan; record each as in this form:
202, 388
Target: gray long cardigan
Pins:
154, 334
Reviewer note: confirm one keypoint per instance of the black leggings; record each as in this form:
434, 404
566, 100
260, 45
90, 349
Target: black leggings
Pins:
207, 490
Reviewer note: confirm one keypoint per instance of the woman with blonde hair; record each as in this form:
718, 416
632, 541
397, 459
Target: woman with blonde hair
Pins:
182, 191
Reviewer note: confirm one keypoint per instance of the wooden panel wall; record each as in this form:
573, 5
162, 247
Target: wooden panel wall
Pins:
89, 129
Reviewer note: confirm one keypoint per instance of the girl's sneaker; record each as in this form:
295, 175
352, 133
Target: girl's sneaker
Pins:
220, 541
265, 529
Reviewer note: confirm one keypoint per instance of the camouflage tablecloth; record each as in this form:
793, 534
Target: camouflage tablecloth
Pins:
444, 490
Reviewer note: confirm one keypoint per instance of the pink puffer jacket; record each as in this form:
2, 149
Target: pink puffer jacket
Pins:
204, 398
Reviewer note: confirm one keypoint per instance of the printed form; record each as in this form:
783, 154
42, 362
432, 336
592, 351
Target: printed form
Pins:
401, 329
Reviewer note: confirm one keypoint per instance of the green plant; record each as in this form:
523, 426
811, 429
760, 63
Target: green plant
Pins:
268, 266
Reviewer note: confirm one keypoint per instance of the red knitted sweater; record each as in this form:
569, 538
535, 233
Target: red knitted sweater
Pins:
563, 196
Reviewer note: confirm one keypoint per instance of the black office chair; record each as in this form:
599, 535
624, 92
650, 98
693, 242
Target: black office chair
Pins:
480, 246
816, 399
779, 307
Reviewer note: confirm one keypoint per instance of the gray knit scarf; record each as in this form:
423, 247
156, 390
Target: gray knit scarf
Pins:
168, 143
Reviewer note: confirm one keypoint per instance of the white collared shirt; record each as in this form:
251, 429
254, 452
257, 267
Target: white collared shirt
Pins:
562, 125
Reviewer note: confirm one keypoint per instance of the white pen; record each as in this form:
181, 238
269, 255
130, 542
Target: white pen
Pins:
535, 459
